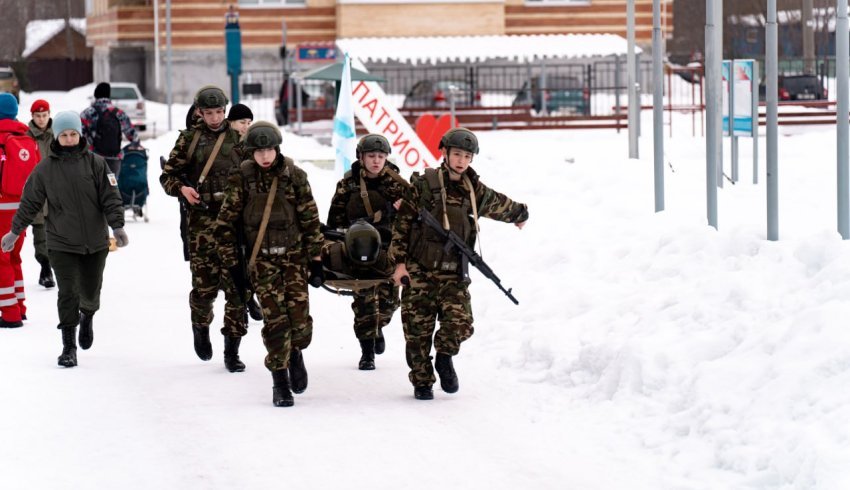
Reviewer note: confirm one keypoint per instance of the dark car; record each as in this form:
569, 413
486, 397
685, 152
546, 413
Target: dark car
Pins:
563, 94
797, 87
435, 93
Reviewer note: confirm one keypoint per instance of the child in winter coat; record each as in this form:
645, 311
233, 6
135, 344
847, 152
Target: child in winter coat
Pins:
82, 198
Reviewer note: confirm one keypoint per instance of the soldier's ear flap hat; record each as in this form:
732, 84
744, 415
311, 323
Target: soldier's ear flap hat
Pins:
459, 138
263, 134
210, 97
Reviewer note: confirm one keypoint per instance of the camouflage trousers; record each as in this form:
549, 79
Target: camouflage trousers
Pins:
373, 309
433, 296
280, 284
208, 277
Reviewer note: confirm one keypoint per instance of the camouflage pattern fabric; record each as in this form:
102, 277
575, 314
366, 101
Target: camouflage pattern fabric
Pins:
433, 296
281, 288
280, 281
373, 309
436, 295
208, 276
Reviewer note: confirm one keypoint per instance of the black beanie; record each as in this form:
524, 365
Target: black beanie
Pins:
239, 111
102, 91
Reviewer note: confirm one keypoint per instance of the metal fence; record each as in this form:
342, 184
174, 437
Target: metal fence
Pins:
583, 88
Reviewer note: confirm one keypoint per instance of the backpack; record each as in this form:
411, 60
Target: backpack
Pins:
107, 137
18, 157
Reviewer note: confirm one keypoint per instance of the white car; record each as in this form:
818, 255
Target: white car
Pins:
127, 97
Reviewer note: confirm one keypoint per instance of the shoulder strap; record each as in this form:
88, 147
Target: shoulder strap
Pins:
263, 224
193, 144
396, 177
210, 160
468, 184
364, 195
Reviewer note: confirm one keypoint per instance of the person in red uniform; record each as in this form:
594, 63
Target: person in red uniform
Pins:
15, 146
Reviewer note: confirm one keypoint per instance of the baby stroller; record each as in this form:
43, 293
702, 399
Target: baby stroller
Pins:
133, 181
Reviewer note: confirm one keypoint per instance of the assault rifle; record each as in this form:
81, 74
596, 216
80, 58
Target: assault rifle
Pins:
184, 211
467, 255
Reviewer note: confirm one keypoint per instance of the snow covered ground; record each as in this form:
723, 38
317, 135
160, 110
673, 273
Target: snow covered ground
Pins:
649, 351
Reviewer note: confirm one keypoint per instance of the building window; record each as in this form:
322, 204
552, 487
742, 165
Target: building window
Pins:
269, 3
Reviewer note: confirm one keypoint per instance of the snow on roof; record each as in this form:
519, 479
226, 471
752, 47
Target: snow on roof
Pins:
41, 31
479, 48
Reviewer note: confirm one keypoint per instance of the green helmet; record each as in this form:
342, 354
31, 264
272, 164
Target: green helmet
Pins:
209, 97
459, 138
262, 134
373, 142
362, 243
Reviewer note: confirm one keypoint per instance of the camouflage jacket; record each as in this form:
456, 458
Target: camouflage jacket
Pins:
292, 186
182, 169
491, 204
347, 205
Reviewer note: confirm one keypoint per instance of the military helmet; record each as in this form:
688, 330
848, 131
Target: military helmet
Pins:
262, 134
373, 142
209, 97
362, 243
459, 138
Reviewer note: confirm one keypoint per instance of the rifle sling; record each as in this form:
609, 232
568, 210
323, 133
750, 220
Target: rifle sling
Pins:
210, 160
263, 224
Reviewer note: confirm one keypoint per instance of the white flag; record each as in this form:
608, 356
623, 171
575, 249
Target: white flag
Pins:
344, 140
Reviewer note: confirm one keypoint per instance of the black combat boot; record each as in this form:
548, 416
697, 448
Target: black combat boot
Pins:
380, 343
367, 359
68, 358
423, 393
297, 371
281, 396
86, 329
46, 277
231, 355
203, 347
448, 378
254, 310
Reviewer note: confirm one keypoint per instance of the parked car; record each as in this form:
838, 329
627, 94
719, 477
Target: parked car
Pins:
435, 93
563, 94
797, 87
127, 97
313, 96
9, 81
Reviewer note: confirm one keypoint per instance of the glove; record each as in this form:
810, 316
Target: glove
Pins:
121, 238
317, 273
7, 243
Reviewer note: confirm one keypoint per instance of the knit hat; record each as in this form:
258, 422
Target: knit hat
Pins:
8, 106
40, 105
67, 120
239, 111
102, 91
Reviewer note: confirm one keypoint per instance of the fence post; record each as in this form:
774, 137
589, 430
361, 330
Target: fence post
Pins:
617, 89
544, 110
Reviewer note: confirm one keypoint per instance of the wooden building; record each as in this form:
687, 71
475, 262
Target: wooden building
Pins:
122, 30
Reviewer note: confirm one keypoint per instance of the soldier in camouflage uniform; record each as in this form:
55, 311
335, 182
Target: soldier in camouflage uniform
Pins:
182, 177
456, 197
282, 251
371, 190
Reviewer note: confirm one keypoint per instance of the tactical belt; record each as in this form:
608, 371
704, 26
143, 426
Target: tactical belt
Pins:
274, 251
